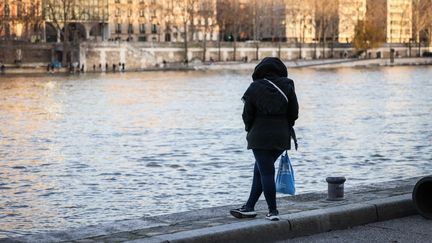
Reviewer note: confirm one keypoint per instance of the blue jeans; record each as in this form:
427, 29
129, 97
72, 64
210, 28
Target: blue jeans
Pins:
264, 178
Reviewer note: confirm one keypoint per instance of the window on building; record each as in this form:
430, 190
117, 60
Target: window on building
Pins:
154, 29
32, 10
7, 29
129, 12
141, 13
142, 38
129, 1
118, 12
19, 9
118, 28
130, 29
117, 1
167, 37
6, 10
142, 28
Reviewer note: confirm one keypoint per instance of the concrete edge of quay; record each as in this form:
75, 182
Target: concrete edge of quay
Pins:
297, 224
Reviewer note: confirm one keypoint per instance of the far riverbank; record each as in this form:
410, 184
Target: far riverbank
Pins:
38, 68
328, 63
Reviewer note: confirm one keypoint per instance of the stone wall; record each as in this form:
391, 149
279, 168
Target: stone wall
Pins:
11, 53
144, 55
137, 56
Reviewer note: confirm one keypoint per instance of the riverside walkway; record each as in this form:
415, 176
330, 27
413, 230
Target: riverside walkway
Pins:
407, 229
301, 215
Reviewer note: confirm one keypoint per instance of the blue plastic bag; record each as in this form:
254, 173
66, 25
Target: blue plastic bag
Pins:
285, 176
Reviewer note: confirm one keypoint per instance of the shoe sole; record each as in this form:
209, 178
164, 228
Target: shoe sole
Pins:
240, 215
273, 218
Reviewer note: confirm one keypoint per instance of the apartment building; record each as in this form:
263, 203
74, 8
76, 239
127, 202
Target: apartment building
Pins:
162, 20
350, 13
21, 20
399, 21
86, 19
300, 21
293, 21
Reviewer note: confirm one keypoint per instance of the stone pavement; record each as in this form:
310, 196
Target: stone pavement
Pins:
300, 215
408, 229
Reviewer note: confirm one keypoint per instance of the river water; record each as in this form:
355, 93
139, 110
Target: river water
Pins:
81, 150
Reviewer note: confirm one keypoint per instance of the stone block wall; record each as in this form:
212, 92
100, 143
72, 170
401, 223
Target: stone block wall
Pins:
143, 55
139, 56
11, 52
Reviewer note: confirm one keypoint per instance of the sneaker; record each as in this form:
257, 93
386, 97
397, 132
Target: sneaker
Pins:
273, 215
243, 212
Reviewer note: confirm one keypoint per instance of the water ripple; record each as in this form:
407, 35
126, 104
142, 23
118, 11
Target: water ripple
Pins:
104, 148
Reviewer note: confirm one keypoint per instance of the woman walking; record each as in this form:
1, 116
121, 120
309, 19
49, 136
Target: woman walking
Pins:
269, 114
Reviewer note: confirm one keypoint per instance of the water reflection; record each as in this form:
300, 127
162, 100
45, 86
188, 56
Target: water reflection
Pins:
89, 149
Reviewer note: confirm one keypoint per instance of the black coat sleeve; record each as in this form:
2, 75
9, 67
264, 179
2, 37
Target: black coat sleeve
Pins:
249, 111
293, 107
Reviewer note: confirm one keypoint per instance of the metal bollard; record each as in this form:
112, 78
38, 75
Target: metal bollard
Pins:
422, 197
335, 188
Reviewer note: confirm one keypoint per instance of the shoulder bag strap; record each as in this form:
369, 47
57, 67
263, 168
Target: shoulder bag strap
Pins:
294, 137
277, 89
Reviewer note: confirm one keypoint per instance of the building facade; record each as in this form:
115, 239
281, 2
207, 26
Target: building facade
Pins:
162, 20
21, 20
399, 21
350, 13
272, 17
84, 19
300, 22
294, 21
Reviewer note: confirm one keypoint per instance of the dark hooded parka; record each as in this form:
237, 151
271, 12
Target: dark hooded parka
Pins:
267, 116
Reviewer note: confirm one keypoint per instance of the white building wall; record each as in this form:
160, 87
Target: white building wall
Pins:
350, 12
399, 19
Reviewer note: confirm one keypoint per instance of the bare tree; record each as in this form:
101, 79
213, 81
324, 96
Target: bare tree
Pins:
206, 12
187, 13
25, 15
256, 20
300, 16
5, 19
405, 18
326, 18
67, 17
234, 19
367, 36
421, 20
350, 13
33, 21
370, 32
278, 22
221, 19
61, 13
